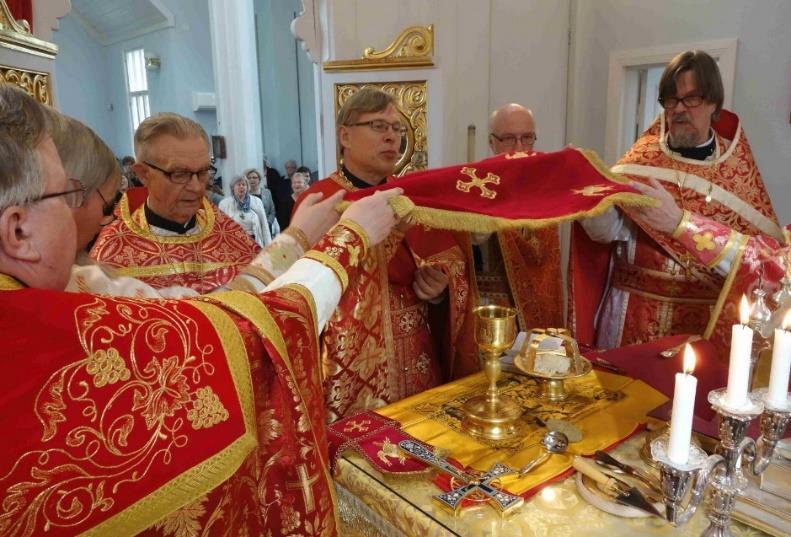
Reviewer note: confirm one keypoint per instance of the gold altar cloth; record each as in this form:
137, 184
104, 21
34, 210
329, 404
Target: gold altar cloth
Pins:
372, 504
605, 407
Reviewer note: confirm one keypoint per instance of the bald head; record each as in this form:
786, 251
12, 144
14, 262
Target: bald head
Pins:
511, 128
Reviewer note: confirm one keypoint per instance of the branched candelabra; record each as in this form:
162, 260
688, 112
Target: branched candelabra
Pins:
723, 471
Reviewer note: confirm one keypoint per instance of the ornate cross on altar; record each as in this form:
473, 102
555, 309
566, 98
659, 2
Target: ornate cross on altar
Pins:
306, 484
480, 182
504, 501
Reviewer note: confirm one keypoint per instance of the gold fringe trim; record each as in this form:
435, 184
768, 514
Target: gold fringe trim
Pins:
726, 287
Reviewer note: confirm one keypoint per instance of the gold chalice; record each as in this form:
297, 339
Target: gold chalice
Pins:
491, 415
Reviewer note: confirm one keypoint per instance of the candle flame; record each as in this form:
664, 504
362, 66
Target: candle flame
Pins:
787, 321
744, 311
689, 359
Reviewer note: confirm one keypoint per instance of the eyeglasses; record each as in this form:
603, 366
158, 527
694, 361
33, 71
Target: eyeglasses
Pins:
380, 125
690, 101
75, 196
181, 177
108, 209
509, 140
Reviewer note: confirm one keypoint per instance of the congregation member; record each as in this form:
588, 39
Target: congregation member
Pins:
398, 330
169, 233
280, 187
643, 284
520, 268
247, 210
229, 368
259, 187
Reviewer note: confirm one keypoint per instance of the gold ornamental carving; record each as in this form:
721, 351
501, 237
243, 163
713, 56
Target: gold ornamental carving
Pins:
412, 101
414, 47
16, 35
35, 83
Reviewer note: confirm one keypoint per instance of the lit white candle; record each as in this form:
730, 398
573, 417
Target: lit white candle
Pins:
683, 409
781, 364
739, 366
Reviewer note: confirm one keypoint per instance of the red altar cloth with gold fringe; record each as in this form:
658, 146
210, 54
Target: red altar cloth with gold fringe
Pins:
517, 190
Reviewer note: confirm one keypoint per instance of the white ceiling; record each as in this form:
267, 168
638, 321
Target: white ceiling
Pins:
111, 21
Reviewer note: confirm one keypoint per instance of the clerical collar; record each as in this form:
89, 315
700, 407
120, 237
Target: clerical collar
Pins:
356, 181
155, 220
701, 152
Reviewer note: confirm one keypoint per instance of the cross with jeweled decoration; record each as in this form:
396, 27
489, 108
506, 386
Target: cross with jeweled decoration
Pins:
502, 500
306, 484
480, 182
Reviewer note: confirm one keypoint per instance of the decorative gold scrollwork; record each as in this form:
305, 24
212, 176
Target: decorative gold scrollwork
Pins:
412, 101
414, 47
16, 35
35, 83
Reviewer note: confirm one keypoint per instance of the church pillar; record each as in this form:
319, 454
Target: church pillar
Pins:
236, 85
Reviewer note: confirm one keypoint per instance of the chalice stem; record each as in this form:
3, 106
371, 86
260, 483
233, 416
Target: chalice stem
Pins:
493, 368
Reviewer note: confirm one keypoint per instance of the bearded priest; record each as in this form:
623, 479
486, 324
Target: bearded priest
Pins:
398, 330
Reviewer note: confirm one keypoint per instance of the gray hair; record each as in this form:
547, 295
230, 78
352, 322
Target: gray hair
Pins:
179, 127
237, 179
84, 155
23, 126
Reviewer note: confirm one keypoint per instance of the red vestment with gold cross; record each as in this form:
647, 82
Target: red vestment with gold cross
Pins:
202, 261
383, 343
655, 288
167, 417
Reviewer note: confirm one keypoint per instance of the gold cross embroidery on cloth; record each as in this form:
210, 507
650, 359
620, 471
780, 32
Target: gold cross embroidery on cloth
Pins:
479, 182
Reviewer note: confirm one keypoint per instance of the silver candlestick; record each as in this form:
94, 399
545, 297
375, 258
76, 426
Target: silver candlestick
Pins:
723, 471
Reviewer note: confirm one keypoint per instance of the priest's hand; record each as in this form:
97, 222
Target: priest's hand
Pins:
374, 214
315, 217
664, 218
429, 283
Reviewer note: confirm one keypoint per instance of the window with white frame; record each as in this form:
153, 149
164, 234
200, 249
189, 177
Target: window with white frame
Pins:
137, 87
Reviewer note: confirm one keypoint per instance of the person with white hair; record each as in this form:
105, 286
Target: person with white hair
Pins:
247, 210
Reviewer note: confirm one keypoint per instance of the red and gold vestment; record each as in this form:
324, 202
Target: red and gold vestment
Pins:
383, 343
162, 417
655, 288
202, 261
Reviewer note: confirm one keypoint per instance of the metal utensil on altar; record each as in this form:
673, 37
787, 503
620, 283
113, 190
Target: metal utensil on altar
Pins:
491, 415
481, 485
622, 492
554, 365
721, 473
553, 442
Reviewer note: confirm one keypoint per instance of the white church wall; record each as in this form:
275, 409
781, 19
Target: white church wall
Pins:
762, 92
185, 51
286, 77
81, 81
487, 53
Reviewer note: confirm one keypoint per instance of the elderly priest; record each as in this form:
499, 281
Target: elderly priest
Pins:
132, 415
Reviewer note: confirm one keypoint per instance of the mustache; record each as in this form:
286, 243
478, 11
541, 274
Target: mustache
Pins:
682, 117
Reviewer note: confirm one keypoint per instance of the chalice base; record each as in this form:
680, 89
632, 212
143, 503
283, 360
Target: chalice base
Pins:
491, 419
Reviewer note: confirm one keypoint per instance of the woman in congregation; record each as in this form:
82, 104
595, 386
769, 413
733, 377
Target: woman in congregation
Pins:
260, 189
247, 210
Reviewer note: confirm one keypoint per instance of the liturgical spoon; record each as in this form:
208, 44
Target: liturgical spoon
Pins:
553, 442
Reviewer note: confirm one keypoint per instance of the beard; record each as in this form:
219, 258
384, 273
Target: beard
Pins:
682, 138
